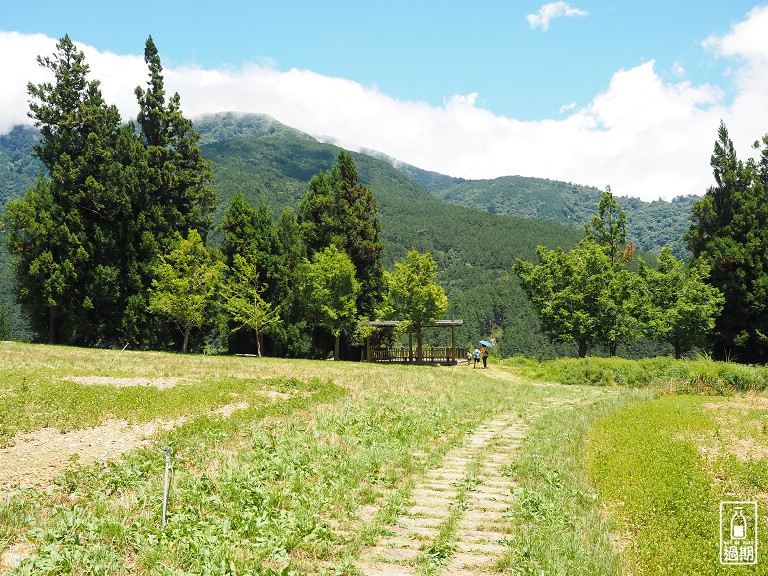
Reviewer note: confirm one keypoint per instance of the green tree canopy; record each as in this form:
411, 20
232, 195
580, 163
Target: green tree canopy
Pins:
185, 284
588, 295
413, 294
329, 292
566, 289
683, 307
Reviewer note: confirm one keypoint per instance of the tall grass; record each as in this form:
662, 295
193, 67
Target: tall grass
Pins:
560, 526
700, 375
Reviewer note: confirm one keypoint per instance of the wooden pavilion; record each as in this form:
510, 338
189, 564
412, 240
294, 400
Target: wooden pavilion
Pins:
430, 355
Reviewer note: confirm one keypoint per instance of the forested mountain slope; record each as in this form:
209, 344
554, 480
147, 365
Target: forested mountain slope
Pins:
474, 250
651, 224
18, 168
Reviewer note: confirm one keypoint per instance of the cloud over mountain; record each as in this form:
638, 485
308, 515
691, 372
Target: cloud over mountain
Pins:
644, 135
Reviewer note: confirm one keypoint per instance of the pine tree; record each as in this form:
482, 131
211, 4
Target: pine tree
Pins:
729, 234
66, 231
340, 211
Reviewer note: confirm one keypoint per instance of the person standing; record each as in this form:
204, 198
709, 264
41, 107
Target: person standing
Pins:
476, 356
484, 354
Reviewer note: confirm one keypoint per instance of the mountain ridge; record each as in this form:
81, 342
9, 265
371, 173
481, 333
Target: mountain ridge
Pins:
651, 224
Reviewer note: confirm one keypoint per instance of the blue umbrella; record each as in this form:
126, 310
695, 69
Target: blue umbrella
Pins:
486, 343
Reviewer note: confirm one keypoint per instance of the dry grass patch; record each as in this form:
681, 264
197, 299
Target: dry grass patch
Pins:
121, 382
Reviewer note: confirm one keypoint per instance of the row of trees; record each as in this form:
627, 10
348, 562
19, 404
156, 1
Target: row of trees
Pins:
110, 245
85, 239
320, 272
718, 300
264, 282
595, 295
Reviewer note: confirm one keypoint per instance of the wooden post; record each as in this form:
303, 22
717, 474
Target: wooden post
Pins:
453, 340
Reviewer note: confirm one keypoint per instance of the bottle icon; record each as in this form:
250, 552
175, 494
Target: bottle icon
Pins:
738, 525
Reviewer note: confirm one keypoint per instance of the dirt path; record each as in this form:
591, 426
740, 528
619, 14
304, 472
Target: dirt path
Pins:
458, 509
37, 458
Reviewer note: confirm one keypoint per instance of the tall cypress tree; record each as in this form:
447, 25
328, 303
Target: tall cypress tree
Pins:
172, 193
730, 233
178, 179
290, 336
340, 211
65, 231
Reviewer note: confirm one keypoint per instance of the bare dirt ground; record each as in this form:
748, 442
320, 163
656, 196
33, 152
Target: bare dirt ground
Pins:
36, 458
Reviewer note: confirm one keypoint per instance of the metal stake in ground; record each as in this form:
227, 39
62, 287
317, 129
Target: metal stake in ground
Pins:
166, 481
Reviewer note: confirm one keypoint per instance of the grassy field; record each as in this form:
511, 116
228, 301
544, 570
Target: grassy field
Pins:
300, 467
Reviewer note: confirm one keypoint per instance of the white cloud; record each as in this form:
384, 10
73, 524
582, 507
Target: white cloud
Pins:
548, 12
567, 107
16, 71
644, 136
745, 43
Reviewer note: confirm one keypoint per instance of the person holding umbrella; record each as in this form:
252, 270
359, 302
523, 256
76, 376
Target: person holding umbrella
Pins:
484, 352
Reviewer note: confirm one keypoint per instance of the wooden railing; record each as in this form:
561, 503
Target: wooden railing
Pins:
430, 355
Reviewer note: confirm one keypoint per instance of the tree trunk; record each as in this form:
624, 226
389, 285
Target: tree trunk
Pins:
419, 350
336, 347
582, 348
186, 339
51, 326
612, 348
258, 343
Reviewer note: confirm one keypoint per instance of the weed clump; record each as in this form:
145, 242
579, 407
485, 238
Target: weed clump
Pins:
702, 375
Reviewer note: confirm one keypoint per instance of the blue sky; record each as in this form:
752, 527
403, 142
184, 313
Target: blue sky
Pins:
570, 89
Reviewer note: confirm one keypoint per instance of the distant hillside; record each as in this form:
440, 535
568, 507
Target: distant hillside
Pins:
651, 224
18, 168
